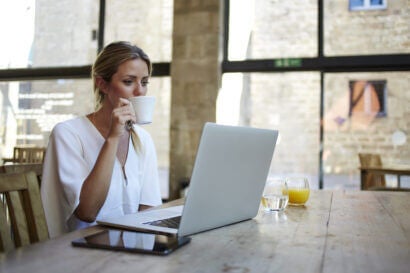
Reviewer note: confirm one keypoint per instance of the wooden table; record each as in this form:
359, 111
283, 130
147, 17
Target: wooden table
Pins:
337, 231
398, 170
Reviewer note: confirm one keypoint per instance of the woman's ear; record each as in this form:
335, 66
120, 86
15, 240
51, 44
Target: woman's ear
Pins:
101, 84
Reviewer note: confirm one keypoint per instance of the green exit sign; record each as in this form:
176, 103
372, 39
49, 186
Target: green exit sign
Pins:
289, 62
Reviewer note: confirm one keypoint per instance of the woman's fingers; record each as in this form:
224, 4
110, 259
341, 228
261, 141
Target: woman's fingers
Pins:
122, 102
123, 117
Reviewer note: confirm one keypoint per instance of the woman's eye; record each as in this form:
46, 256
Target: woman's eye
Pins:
144, 83
127, 82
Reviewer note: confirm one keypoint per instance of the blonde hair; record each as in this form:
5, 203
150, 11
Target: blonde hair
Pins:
106, 65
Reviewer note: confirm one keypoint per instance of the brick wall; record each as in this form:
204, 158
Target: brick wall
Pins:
366, 32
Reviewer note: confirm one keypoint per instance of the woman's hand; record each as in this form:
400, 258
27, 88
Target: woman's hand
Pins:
121, 114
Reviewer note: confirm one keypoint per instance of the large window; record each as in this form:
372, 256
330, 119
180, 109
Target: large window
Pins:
334, 82
347, 134
272, 29
16, 51
30, 109
47, 58
287, 102
147, 25
47, 34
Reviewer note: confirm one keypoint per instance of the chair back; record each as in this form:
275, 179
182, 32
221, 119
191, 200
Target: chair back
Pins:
22, 218
372, 180
28, 154
24, 167
370, 160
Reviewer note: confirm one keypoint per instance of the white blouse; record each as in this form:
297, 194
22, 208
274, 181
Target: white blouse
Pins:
72, 151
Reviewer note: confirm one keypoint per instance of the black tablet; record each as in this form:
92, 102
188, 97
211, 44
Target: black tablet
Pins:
131, 241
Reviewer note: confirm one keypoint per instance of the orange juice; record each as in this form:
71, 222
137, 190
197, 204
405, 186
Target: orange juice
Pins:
298, 196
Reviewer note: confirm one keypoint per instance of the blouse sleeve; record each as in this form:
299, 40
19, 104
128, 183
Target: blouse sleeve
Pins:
63, 174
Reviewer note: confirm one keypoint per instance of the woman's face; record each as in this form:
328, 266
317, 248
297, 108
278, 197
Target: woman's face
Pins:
130, 80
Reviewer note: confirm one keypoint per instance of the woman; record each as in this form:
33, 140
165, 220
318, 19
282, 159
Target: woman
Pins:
101, 165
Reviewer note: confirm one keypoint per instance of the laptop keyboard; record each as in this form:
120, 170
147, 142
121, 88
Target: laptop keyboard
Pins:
172, 222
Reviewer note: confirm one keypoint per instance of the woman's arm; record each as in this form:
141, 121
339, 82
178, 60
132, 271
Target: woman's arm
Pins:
95, 187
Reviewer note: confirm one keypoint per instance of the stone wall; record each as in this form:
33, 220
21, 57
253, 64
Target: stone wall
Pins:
284, 29
195, 77
63, 34
290, 103
366, 32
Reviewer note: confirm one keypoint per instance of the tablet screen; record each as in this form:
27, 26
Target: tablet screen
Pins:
131, 241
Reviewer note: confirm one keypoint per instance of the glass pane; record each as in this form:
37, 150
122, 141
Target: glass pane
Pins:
261, 29
288, 102
364, 131
48, 33
16, 51
29, 110
356, 3
368, 32
146, 25
376, 2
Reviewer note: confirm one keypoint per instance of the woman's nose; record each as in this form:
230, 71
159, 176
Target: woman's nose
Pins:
138, 91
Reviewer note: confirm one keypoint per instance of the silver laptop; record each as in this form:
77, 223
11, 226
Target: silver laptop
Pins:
226, 185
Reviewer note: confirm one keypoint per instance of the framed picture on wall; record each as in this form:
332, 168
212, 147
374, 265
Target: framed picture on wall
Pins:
368, 98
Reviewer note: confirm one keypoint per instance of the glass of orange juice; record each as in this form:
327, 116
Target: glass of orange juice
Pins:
298, 190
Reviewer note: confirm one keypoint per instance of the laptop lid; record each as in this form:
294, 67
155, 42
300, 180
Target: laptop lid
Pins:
227, 181
228, 178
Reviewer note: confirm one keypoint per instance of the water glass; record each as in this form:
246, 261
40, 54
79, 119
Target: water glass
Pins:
275, 195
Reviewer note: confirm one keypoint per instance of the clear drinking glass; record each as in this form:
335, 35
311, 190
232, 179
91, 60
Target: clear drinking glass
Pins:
298, 188
275, 195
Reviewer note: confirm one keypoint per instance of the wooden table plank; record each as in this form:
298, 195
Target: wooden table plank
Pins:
398, 207
364, 234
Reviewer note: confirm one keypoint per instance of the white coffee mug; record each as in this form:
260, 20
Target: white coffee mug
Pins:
143, 107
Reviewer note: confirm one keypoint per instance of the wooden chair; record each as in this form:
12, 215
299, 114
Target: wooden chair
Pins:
371, 180
22, 218
24, 167
28, 154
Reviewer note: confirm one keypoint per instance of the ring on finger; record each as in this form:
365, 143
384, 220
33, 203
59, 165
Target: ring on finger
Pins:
128, 125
